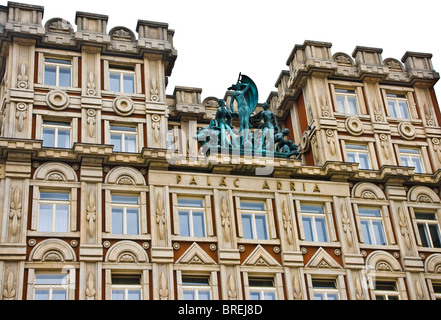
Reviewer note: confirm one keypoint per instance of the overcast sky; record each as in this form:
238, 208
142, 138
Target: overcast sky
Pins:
216, 40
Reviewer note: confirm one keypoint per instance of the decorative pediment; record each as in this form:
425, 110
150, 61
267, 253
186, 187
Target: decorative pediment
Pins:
394, 65
382, 261
122, 34
125, 176
127, 252
56, 172
343, 59
52, 250
423, 195
369, 191
196, 255
59, 25
261, 258
322, 260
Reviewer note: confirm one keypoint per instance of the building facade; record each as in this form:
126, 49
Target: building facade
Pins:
105, 194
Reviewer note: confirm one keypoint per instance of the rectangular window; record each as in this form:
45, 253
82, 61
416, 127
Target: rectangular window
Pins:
347, 101
196, 288
386, 290
191, 217
325, 289
398, 106
50, 286
437, 290
262, 289
126, 287
428, 228
125, 215
254, 220
314, 223
122, 80
123, 138
372, 226
58, 72
53, 214
56, 134
359, 154
412, 158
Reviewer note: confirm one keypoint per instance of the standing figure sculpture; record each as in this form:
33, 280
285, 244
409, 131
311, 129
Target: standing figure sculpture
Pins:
268, 127
222, 116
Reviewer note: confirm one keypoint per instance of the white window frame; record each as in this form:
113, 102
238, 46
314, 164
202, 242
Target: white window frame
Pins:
262, 290
253, 214
313, 216
127, 287
325, 291
126, 206
370, 220
190, 211
197, 288
426, 223
43, 54
57, 65
357, 153
57, 127
349, 93
113, 63
123, 134
52, 287
122, 72
54, 203
387, 293
411, 156
399, 97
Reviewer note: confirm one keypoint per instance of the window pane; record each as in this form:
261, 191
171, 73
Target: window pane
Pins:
130, 142
125, 199
379, 232
332, 296
322, 234
59, 295
41, 295
204, 295
392, 109
307, 227
352, 101
254, 296
261, 227
61, 218
132, 221
425, 216
126, 280
423, 235
45, 218
117, 221
406, 162
123, 128
434, 233
54, 196
364, 161
134, 295
63, 139
183, 202
48, 137
195, 281
198, 224
115, 79
184, 224
117, 294
404, 109
366, 232
318, 296
352, 157
341, 101
59, 61
369, 212
129, 83
269, 295
116, 141
418, 165
385, 286
247, 226
268, 283
64, 77
51, 279
50, 75
258, 206
189, 295
311, 209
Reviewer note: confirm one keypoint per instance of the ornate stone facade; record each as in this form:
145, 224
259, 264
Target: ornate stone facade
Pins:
103, 185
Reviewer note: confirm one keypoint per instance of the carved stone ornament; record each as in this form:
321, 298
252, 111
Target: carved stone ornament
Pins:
90, 287
437, 148
407, 131
297, 291
404, 228
57, 100
394, 65
123, 106
384, 143
160, 216
331, 141
121, 34
163, 289
21, 114
354, 126
91, 120
15, 213
22, 78
225, 219
9, 291
156, 126
91, 87
91, 212
154, 92
232, 291
343, 59
287, 223
346, 222
58, 25
430, 118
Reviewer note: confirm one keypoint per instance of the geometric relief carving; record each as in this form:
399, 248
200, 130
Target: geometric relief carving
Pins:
195, 255
57, 100
346, 221
53, 250
156, 126
261, 257
383, 266
127, 252
287, 223
406, 130
322, 259
123, 106
91, 120
384, 143
354, 126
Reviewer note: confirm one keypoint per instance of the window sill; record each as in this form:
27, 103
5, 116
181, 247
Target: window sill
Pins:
194, 239
136, 96
48, 87
143, 237
256, 241
53, 234
379, 247
320, 244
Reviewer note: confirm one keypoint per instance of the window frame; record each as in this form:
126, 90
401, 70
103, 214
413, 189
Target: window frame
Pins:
371, 229
57, 127
399, 97
125, 207
428, 233
51, 287
387, 293
125, 65
43, 54
345, 85
123, 134
353, 94
54, 204
191, 210
325, 291
253, 214
408, 93
327, 214
122, 72
357, 153
126, 287
52, 268
402, 154
196, 289
261, 290
425, 208
57, 66
109, 121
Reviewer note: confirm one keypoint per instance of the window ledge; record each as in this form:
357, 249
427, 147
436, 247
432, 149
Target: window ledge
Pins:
264, 242
193, 239
320, 244
379, 247
143, 237
54, 234
47, 87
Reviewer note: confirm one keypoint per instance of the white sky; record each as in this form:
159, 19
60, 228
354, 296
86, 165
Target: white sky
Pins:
216, 40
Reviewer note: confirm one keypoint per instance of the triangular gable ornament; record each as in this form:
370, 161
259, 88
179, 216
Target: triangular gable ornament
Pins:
195, 255
260, 257
322, 260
